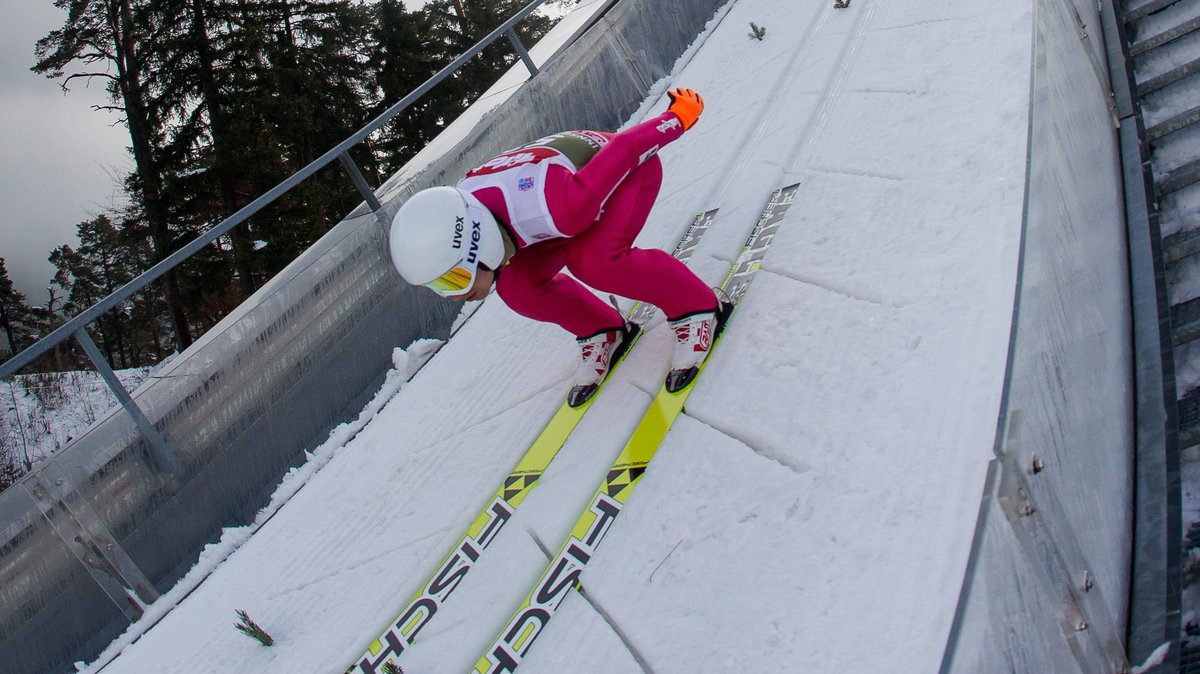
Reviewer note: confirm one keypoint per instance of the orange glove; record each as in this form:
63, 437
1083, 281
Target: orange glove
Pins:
687, 106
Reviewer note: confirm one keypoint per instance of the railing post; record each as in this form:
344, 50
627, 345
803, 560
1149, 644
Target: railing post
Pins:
90, 542
521, 51
162, 449
359, 181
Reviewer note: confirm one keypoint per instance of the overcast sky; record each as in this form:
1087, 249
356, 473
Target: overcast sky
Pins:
60, 160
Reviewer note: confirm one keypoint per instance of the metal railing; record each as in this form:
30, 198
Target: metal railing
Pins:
76, 327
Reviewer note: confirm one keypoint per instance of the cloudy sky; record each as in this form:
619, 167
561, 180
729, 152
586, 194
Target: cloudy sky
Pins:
60, 160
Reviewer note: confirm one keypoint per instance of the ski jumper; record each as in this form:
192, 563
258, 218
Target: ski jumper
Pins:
578, 200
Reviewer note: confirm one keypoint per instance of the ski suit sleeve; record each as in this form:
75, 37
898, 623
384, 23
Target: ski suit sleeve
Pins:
577, 201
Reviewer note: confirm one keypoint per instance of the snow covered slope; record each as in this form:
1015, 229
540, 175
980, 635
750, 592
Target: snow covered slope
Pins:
821, 491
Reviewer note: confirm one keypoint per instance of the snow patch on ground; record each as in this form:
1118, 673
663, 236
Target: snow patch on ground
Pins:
41, 413
405, 363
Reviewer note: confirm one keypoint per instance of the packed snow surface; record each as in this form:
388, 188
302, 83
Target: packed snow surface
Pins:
41, 413
813, 508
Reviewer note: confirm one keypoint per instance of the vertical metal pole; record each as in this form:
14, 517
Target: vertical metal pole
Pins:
521, 51
631, 59
163, 451
359, 181
87, 539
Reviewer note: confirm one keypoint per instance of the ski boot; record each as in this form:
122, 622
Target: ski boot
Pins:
694, 337
600, 352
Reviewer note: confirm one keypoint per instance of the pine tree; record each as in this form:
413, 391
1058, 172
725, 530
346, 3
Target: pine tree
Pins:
276, 85
124, 38
317, 86
45, 319
209, 56
410, 47
106, 259
16, 317
482, 17
406, 52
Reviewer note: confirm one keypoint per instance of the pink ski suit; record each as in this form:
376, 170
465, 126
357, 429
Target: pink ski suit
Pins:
578, 200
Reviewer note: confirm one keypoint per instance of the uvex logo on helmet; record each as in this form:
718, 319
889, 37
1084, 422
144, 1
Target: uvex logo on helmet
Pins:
458, 232
476, 234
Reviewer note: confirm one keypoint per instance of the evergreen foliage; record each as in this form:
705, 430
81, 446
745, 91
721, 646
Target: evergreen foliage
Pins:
251, 629
223, 100
107, 258
18, 323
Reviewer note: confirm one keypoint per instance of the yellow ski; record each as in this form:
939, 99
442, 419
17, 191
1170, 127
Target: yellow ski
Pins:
562, 574
381, 655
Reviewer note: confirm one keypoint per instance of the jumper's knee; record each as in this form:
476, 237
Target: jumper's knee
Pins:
518, 288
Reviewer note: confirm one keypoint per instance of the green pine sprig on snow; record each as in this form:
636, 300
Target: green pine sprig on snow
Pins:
252, 629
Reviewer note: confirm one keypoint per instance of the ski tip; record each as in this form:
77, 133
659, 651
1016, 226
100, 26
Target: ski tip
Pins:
581, 394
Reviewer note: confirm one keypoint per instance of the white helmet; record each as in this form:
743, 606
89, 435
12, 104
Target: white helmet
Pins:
439, 238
